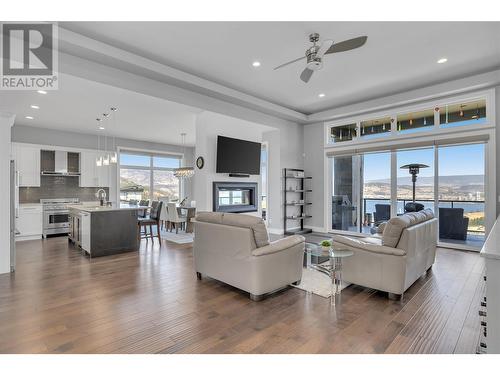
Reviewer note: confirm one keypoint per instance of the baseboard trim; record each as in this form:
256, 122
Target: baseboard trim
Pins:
27, 238
315, 229
275, 231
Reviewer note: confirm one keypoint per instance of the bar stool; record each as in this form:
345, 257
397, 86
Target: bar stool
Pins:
153, 219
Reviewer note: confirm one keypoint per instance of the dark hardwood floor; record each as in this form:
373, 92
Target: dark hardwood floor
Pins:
151, 302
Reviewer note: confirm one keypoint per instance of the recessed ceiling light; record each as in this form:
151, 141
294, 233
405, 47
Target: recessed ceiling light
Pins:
43, 92
101, 127
442, 60
29, 117
321, 95
34, 106
256, 64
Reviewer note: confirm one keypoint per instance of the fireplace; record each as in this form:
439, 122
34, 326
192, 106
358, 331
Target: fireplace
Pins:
235, 197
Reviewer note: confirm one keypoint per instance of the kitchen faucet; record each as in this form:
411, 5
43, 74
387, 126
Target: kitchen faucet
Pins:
101, 195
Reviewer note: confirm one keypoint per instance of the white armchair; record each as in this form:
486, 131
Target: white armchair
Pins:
235, 249
394, 261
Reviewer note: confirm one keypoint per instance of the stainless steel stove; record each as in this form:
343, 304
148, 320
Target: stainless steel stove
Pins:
56, 215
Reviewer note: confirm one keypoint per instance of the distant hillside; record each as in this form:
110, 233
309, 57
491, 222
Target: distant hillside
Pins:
465, 180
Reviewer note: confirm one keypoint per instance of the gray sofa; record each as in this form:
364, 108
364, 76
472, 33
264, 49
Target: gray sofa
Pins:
235, 249
393, 261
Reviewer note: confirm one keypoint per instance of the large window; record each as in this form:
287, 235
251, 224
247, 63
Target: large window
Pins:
148, 176
364, 185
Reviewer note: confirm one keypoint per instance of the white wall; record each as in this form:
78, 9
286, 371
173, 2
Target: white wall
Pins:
285, 140
6, 121
314, 166
208, 126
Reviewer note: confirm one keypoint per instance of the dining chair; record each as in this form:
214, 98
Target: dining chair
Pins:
152, 219
174, 218
164, 214
143, 203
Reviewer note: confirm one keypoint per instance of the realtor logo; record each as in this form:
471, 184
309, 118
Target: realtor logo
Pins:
29, 56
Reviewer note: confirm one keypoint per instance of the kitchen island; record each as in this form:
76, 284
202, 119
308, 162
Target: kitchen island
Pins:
104, 230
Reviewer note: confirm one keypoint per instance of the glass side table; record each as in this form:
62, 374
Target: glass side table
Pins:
329, 262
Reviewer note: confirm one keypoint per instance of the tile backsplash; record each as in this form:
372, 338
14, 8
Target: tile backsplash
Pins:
57, 187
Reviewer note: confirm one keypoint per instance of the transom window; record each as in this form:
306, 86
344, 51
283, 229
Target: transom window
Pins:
429, 118
146, 176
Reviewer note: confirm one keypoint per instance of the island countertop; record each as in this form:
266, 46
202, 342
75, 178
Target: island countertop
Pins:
114, 207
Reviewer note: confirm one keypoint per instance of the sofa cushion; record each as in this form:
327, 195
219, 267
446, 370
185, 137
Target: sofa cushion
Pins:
373, 245
210, 217
396, 225
256, 224
247, 221
394, 228
280, 245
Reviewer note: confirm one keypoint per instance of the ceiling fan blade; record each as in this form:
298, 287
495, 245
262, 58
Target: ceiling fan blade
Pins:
290, 62
306, 75
325, 46
347, 45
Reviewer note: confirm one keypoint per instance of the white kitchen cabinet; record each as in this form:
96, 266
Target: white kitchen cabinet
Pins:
27, 159
88, 169
90, 174
85, 231
103, 174
29, 221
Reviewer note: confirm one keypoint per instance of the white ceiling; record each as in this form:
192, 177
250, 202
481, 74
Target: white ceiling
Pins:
398, 56
78, 102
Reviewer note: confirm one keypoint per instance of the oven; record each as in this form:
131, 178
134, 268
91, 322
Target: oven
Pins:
56, 221
56, 216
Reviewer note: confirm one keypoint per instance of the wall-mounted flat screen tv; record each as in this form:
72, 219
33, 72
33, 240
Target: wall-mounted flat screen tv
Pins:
238, 156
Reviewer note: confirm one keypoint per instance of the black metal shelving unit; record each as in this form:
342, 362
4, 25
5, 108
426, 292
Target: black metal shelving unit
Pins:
296, 197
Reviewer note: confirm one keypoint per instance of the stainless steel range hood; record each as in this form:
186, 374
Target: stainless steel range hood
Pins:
60, 166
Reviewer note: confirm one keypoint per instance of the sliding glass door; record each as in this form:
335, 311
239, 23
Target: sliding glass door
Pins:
424, 179
449, 180
376, 182
346, 193
462, 194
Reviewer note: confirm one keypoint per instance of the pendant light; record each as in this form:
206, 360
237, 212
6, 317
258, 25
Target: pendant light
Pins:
114, 156
98, 160
184, 172
105, 159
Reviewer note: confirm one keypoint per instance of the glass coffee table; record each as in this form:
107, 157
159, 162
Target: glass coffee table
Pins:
329, 262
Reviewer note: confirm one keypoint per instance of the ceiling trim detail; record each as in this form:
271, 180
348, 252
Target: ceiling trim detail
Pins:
182, 83
78, 45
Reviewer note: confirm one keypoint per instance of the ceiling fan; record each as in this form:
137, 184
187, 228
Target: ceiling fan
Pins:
314, 54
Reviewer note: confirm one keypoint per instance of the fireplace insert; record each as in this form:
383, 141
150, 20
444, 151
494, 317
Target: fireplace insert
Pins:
235, 197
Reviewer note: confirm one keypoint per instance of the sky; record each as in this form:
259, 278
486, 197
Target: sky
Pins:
453, 160
144, 161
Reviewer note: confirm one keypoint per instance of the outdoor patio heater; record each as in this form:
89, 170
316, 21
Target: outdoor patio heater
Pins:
413, 169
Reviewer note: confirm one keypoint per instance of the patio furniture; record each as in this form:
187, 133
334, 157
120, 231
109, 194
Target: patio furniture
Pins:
453, 224
382, 213
413, 207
